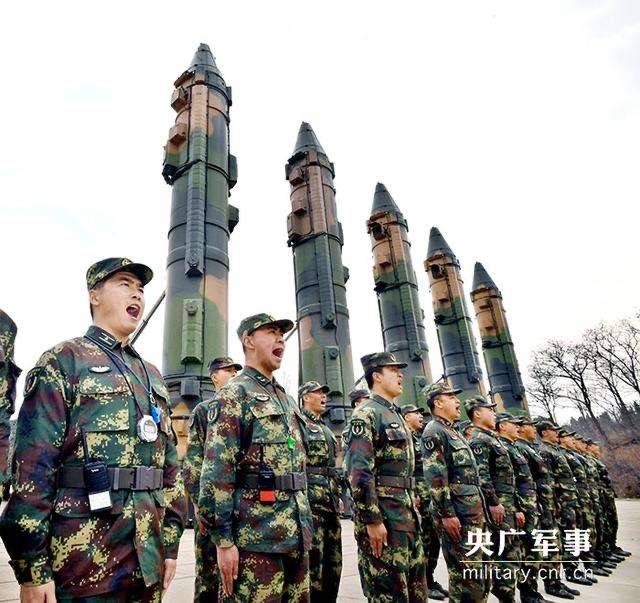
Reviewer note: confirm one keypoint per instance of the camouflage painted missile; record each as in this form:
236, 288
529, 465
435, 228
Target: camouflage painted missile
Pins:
453, 322
201, 171
315, 237
500, 359
396, 286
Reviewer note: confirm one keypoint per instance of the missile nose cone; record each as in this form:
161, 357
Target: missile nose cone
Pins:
204, 58
307, 140
383, 201
481, 278
438, 243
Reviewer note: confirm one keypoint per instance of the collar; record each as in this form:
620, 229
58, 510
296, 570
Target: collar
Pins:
311, 416
107, 340
487, 431
443, 421
260, 378
385, 403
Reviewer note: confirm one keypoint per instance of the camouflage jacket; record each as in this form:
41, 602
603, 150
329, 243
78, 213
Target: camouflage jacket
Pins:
422, 490
564, 484
324, 486
451, 474
379, 446
526, 498
541, 475
592, 479
9, 373
49, 532
254, 424
605, 485
497, 476
580, 474
192, 462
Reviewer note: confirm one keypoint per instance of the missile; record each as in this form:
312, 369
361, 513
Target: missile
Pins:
315, 237
396, 287
460, 359
201, 171
500, 358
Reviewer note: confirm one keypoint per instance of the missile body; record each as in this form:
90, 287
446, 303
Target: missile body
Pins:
315, 237
453, 322
395, 284
201, 171
500, 359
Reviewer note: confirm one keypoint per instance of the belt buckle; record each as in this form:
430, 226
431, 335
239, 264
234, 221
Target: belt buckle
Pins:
144, 478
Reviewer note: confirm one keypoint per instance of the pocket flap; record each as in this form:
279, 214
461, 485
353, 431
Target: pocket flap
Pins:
395, 435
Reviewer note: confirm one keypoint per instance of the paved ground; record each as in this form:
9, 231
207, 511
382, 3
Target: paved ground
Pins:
622, 586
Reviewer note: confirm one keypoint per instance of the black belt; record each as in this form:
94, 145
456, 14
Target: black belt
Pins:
396, 481
326, 471
463, 481
288, 481
120, 478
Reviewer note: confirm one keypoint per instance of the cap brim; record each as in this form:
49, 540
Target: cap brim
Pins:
325, 389
285, 325
398, 364
238, 367
143, 272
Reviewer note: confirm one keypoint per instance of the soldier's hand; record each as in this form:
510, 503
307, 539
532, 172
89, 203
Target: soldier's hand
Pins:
497, 514
45, 593
520, 519
228, 561
453, 528
169, 572
377, 537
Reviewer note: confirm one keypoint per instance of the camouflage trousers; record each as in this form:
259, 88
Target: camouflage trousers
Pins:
5, 433
567, 520
528, 579
398, 576
468, 581
551, 565
325, 557
137, 594
430, 544
207, 577
271, 578
611, 515
505, 572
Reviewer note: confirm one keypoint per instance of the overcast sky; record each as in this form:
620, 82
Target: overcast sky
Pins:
512, 126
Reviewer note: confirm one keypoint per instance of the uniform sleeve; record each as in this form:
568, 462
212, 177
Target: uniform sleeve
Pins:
436, 476
218, 478
40, 433
481, 450
192, 462
361, 469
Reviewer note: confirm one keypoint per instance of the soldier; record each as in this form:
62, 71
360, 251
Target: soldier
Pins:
527, 500
357, 397
565, 495
206, 583
457, 505
414, 417
497, 477
464, 427
98, 506
324, 492
253, 501
380, 466
9, 373
544, 484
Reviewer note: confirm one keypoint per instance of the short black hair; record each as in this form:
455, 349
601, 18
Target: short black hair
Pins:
368, 375
431, 402
97, 286
471, 412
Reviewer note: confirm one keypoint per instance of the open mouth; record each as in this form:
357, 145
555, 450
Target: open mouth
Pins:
133, 311
278, 352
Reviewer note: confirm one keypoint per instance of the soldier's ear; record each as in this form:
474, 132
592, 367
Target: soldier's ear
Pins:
247, 343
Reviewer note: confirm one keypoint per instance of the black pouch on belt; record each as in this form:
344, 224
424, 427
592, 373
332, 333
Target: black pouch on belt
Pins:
96, 481
266, 481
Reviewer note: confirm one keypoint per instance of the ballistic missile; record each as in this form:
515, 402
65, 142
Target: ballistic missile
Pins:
201, 171
460, 359
396, 286
315, 237
500, 358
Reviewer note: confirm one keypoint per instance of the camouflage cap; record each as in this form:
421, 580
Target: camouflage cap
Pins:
462, 425
477, 402
104, 268
436, 389
577, 436
253, 323
357, 394
409, 408
506, 417
380, 359
563, 432
526, 420
312, 386
544, 424
223, 362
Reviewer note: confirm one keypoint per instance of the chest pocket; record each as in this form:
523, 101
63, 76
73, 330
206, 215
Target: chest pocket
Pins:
395, 436
269, 425
317, 443
460, 454
102, 404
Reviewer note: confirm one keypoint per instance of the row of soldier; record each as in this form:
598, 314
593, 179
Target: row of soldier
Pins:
98, 503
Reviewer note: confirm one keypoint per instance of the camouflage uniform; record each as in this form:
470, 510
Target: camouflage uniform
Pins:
610, 514
380, 465
593, 479
47, 527
324, 492
255, 427
527, 501
451, 474
9, 373
206, 580
497, 478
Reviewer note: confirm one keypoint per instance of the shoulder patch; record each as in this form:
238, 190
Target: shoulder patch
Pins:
429, 443
214, 413
357, 427
477, 449
32, 380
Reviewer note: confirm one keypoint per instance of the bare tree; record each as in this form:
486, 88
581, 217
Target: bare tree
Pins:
543, 390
